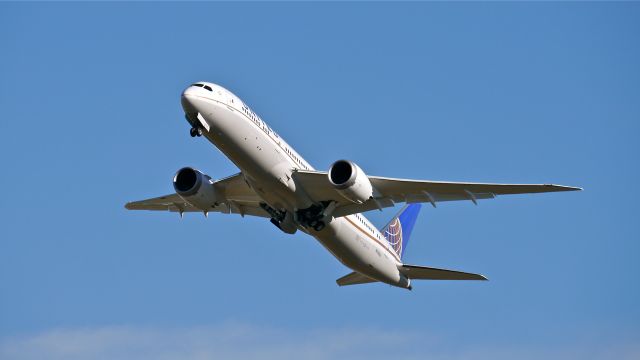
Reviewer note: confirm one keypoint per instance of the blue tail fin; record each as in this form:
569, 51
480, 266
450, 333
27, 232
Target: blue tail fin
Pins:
398, 230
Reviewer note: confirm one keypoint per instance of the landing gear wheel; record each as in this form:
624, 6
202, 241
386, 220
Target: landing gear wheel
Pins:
318, 226
193, 132
199, 132
276, 223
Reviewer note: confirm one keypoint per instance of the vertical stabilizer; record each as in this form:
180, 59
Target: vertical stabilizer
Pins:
398, 230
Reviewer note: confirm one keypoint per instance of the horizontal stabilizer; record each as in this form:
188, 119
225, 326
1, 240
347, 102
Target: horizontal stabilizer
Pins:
353, 279
429, 273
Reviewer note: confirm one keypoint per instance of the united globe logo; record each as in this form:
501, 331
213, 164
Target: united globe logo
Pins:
393, 234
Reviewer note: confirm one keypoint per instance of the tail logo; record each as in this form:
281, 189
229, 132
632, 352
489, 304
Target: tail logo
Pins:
393, 234
398, 230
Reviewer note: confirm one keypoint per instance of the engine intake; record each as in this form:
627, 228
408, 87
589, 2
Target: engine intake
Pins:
350, 181
342, 174
196, 188
187, 181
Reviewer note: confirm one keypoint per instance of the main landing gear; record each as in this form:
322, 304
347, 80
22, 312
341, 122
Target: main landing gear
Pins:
316, 216
195, 131
317, 225
281, 219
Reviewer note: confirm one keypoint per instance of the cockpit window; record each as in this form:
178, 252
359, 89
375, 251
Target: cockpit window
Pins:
203, 86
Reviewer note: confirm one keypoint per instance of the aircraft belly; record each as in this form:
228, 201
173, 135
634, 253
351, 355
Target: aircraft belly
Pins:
249, 148
243, 144
268, 172
357, 252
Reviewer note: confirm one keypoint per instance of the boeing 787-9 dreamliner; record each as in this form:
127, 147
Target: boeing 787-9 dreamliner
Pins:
276, 183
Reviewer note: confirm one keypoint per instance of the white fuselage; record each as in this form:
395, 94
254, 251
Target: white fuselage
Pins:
267, 163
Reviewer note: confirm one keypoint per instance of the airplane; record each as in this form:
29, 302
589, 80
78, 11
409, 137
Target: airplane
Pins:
276, 183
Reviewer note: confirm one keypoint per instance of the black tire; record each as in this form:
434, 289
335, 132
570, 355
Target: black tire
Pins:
199, 131
276, 223
193, 132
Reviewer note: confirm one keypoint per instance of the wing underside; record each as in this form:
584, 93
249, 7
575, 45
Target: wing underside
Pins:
174, 203
389, 191
239, 199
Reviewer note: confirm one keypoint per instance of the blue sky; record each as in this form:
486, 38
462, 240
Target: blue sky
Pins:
492, 92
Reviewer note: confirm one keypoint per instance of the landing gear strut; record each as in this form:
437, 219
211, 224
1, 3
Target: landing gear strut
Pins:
281, 219
317, 225
316, 216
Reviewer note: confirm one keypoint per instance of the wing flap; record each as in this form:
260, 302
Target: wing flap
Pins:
430, 273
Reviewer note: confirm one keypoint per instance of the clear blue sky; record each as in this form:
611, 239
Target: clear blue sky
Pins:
90, 118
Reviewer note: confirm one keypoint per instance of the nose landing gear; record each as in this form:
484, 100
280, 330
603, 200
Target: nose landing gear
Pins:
195, 132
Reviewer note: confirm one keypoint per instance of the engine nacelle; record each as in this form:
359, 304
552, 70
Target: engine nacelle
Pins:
350, 181
196, 188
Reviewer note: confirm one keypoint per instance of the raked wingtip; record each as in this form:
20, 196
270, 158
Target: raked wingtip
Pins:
564, 187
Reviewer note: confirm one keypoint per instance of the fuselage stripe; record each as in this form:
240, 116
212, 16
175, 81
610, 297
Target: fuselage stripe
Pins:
395, 256
284, 150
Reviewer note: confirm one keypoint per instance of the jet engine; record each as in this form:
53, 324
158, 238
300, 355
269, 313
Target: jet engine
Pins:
350, 181
196, 188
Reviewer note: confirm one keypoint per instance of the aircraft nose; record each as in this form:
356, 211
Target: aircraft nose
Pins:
187, 98
190, 90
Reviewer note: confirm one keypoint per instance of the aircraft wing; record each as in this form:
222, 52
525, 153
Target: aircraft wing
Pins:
241, 199
389, 191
